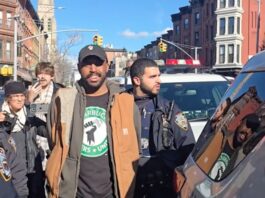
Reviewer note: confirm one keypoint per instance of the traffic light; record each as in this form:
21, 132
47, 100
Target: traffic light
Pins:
100, 41
162, 46
95, 40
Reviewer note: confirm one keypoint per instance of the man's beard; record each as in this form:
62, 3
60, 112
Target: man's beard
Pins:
147, 90
90, 87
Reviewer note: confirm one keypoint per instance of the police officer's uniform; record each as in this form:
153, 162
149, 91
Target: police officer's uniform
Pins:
161, 153
7, 156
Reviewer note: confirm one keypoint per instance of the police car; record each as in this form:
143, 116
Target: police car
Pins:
196, 94
228, 158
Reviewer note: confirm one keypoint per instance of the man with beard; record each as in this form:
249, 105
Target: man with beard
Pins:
166, 135
38, 100
106, 168
226, 160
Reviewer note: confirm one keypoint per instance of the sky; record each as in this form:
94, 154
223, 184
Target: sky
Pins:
129, 24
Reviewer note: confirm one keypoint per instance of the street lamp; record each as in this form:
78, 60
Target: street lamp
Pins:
16, 17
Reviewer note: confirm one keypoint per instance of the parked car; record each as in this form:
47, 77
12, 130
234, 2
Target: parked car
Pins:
228, 158
197, 95
2, 96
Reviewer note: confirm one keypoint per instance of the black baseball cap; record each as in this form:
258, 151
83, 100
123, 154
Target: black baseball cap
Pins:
91, 50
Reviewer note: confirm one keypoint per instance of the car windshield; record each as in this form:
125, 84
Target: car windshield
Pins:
197, 100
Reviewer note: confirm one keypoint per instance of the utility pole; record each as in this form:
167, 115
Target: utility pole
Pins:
258, 27
196, 52
16, 17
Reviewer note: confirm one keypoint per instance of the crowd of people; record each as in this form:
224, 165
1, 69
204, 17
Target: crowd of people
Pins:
94, 139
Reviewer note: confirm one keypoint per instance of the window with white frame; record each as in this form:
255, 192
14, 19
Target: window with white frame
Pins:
237, 53
222, 54
8, 19
238, 25
231, 3
222, 3
1, 17
238, 3
230, 53
8, 50
222, 26
231, 27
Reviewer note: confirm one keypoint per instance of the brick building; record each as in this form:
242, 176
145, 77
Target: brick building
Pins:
28, 24
222, 34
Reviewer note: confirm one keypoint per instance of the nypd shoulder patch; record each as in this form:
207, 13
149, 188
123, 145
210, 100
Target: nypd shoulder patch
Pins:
181, 121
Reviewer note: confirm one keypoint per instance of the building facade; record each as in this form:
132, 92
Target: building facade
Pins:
46, 14
7, 10
222, 34
28, 47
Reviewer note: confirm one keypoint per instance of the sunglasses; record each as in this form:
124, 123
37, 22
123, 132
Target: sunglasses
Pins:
93, 60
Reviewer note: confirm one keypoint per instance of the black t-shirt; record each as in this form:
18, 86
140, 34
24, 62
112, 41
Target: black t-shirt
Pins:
95, 170
222, 162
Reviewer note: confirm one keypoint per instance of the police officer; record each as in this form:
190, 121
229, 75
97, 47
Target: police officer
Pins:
166, 137
7, 155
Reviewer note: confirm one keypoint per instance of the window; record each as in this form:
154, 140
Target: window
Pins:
230, 53
1, 49
197, 18
231, 21
186, 23
238, 3
8, 19
238, 25
222, 26
8, 50
231, 3
177, 30
1, 17
49, 25
222, 3
196, 38
241, 97
237, 53
222, 54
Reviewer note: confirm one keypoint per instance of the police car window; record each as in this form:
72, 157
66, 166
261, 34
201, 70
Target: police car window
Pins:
235, 129
196, 100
